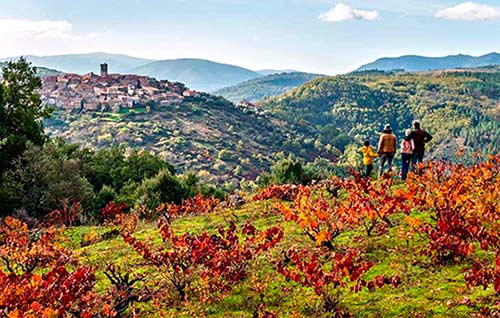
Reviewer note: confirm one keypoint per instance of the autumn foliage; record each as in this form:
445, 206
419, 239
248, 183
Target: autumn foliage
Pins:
192, 206
319, 219
331, 275
373, 201
452, 211
37, 281
214, 261
364, 202
464, 203
286, 192
67, 215
23, 251
113, 212
56, 293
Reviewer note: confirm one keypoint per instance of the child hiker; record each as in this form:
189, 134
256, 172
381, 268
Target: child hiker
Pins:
368, 156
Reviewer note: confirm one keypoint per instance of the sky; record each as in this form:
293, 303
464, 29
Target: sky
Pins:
321, 36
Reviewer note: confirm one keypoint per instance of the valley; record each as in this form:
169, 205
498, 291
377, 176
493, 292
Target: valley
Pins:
248, 208
201, 132
167, 159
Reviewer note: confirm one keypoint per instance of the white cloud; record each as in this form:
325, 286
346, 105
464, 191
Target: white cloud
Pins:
469, 11
19, 28
342, 12
44, 37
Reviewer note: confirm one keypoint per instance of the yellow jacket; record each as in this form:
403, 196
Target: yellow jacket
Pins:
368, 155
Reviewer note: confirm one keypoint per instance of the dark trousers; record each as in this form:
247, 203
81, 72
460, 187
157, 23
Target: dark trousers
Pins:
385, 157
418, 157
368, 170
406, 160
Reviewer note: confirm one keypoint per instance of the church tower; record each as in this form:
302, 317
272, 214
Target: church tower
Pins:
104, 70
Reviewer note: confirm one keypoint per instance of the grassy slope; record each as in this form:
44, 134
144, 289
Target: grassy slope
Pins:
425, 292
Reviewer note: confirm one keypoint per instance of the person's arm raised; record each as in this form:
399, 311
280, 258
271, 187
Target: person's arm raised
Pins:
427, 137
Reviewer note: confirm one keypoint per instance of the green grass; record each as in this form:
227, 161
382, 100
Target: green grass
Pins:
427, 289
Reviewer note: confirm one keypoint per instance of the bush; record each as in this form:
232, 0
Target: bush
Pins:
107, 194
224, 155
321, 169
162, 188
285, 171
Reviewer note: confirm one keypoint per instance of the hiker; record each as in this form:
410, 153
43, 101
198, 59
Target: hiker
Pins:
368, 156
407, 147
420, 138
386, 149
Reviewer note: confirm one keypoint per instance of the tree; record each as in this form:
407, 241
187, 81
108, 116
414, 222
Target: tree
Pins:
142, 164
162, 188
21, 111
41, 180
288, 170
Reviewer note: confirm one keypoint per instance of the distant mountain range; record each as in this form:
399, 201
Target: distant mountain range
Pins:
266, 86
209, 76
87, 62
198, 74
270, 71
412, 63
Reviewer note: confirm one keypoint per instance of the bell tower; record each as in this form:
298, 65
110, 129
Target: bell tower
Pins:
104, 69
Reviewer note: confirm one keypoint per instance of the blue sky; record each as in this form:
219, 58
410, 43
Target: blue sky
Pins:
280, 34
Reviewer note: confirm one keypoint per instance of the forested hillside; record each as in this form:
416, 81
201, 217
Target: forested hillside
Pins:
206, 134
460, 108
270, 85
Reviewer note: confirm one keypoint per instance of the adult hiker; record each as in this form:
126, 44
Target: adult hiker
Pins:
420, 138
407, 147
368, 156
386, 149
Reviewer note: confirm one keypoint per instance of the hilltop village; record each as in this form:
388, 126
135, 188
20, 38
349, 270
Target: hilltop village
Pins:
110, 92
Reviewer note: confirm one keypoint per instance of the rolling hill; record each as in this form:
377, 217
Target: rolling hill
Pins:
41, 71
270, 85
460, 108
88, 62
421, 63
205, 134
202, 75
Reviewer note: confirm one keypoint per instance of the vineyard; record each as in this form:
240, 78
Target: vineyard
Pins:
349, 247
